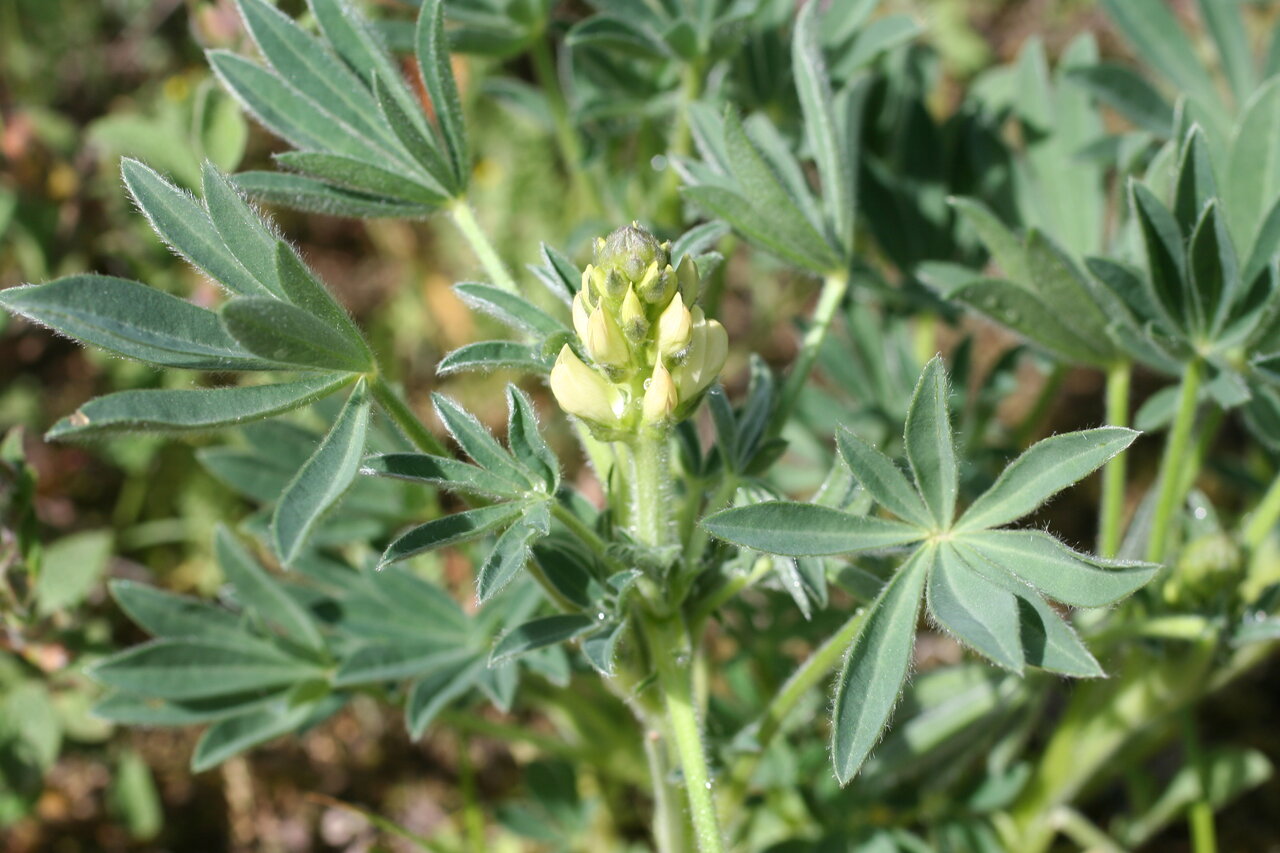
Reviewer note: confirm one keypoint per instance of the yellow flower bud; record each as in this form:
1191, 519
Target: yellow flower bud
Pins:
635, 324
614, 285
581, 314
675, 325
582, 391
660, 396
605, 341
658, 284
708, 349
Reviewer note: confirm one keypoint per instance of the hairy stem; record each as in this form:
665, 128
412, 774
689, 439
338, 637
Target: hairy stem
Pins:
834, 288
1111, 522
465, 218
395, 407
650, 522
586, 536
1172, 475
668, 824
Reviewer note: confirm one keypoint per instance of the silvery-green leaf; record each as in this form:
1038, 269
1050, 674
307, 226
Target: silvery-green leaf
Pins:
801, 530
931, 445
876, 667
1046, 468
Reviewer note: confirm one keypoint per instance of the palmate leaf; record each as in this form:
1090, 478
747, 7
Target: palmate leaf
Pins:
496, 355
440, 470
983, 586
931, 446
540, 633
978, 612
366, 147
135, 321
164, 614
282, 333
881, 477
192, 410
527, 444
1050, 567
478, 443
324, 478
431, 693
1045, 469
201, 668
876, 667
451, 530
234, 735
806, 530
260, 593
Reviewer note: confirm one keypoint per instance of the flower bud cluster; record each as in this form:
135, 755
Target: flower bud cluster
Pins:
651, 351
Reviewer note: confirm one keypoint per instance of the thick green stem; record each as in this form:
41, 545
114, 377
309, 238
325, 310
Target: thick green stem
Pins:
834, 288
669, 644
650, 522
649, 481
1172, 476
1111, 523
567, 141
403, 417
668, 824
1264, 517
465, 218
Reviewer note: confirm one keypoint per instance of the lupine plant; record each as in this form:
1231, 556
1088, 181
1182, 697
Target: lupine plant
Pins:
853, 503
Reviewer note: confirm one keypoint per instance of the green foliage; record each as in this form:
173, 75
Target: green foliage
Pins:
817, 136
983, 585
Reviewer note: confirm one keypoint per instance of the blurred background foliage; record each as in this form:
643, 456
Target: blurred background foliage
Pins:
83, 84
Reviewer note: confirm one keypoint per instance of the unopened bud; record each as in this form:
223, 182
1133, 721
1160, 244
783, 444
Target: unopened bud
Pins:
689, 281
658, 284
582, 391
708, 349
604, 339
613, 285
675, 325
581, 314
660, 396
635, 324
630, 249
